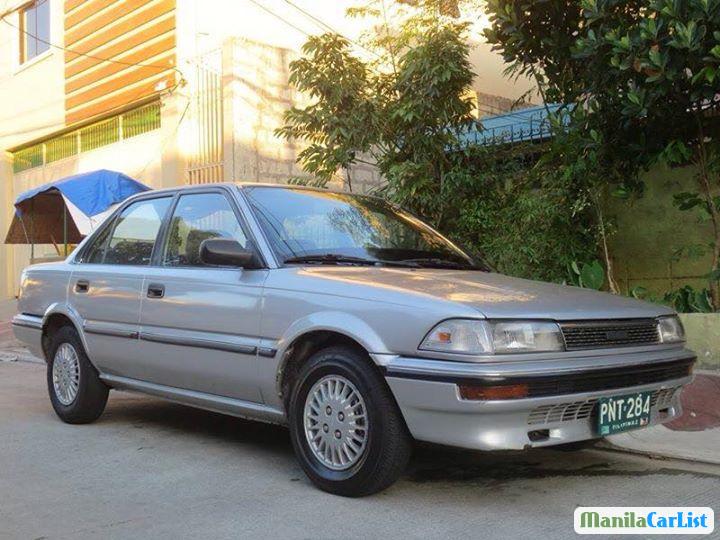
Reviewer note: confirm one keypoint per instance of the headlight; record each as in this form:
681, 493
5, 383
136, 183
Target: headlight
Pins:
465, 336
671, 329
530, 336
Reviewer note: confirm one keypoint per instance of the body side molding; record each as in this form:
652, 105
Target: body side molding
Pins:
210, 402
186, 341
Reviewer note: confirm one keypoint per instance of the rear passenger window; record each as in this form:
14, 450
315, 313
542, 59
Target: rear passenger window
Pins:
96, 252
197, 218
133, 236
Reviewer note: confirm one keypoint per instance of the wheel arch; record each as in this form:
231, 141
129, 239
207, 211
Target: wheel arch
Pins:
56, 316
310, 335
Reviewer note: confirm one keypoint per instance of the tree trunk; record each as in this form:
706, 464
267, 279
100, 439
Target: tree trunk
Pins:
348, 178
715, 220
705, 187
609, 271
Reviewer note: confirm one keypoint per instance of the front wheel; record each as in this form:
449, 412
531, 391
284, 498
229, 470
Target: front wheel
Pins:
347, 431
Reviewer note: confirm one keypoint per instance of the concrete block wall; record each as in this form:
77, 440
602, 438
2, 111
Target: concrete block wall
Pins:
650, 231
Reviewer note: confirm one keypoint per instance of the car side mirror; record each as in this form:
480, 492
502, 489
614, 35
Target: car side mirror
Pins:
226, 252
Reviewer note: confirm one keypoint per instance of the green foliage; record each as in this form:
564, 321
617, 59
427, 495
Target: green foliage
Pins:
688, 300
589, 275
683, 300
402, 110
644, 75
520, 213
340, 122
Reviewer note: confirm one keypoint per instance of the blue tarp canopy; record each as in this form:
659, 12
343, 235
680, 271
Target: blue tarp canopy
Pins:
92, 192
66, 210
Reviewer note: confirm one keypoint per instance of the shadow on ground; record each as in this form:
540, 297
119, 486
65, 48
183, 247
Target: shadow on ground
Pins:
430, 463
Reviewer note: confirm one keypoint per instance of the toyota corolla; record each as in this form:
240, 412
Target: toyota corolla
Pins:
348, 320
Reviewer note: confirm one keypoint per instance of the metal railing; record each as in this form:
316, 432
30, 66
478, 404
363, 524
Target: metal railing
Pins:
111, 130
100, 134
205, 159
533, 130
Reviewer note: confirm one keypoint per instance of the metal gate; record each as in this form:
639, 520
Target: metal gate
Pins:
205, 160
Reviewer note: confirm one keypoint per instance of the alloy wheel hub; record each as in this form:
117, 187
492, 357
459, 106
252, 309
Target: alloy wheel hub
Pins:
336, 426
66, 373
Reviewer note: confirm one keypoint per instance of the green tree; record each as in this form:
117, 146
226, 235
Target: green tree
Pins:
644, 78
400, 101
401, 109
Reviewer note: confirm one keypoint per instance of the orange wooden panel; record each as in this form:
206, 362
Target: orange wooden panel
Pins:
138, 56
88, 8
72, 4
110, 52
117, 101
104, 20
116, 83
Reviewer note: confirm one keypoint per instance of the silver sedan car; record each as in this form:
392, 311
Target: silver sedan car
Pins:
348, 320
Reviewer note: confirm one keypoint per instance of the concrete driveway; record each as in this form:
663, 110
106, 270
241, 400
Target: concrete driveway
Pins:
151, 469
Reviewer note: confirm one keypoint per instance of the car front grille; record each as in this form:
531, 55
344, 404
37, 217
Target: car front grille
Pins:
580, 335
581, 410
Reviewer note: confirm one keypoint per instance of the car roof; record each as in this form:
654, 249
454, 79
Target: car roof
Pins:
240, 185
293, 187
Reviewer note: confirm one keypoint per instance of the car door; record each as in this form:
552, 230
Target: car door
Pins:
199, 324
107, 282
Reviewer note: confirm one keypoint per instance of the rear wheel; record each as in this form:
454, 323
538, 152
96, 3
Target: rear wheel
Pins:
347, 431
76, 392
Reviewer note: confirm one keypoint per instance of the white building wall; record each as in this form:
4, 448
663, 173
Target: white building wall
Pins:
32, 95
32, 105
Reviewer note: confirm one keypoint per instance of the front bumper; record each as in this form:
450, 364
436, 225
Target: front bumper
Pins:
428, 396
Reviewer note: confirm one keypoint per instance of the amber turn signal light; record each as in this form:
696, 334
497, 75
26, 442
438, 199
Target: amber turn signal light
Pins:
482, 393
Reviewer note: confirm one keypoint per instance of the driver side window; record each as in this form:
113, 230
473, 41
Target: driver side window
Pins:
198, 217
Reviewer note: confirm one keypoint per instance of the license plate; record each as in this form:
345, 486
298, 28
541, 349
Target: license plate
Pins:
623, 413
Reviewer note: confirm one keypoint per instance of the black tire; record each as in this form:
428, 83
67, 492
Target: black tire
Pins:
92, 394
388, 445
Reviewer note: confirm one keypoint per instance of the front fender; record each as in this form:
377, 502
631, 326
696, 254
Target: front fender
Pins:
334, 321
331, 321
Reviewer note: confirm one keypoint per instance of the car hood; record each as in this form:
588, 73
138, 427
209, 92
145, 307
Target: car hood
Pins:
493, 295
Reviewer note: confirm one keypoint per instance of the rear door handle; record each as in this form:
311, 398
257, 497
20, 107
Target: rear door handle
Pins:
82, 286
155, 290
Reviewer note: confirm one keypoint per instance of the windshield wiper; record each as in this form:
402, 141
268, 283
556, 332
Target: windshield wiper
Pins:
430, 262
334, 258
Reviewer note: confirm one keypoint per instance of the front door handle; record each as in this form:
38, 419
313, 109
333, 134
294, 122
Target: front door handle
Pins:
82, 286
155, 290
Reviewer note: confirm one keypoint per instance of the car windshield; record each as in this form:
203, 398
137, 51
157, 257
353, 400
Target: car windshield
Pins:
315, 226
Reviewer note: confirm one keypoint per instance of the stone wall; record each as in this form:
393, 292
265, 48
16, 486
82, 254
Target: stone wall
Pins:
650, 231
256, 95
703, 335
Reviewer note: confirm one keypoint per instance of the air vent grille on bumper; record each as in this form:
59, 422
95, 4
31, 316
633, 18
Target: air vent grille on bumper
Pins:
582, 335
581, 410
